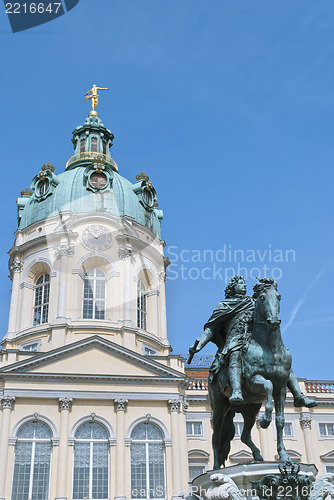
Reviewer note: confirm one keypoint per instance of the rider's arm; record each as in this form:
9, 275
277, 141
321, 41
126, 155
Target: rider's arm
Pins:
203, 340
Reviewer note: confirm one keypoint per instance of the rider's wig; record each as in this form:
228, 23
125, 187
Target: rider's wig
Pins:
263, 285
229, 290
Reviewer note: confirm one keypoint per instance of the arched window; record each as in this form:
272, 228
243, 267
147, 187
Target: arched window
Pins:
141, 306
147, 462
42, 295
91, 462
32, 461
94, 296
93, 144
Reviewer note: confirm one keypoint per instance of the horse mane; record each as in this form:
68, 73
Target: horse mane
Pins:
263, 285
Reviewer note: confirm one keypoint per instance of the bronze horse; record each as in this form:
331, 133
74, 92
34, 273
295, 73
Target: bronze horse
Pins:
267, 365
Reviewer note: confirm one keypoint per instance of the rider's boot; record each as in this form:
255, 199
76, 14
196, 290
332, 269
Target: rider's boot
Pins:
299, 398
235, 374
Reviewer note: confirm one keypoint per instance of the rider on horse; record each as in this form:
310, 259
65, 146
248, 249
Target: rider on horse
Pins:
230, 327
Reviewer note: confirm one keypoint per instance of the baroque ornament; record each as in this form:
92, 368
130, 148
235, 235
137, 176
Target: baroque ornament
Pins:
323, 487
120, 404
17, 265
65, 403
174, 405
126, 253
224, 487
64, 249
7, 402
289, 484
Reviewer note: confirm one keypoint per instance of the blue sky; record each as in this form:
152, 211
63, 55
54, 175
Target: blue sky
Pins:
229, 107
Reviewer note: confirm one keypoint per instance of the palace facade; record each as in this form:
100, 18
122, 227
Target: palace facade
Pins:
94, 403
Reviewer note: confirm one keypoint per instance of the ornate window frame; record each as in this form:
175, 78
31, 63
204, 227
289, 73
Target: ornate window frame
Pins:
45, 175
100, 169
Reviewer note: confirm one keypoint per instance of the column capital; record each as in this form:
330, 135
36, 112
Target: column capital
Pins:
162, 275
305, 422
65, 403
17, 265
174, 405
66, 249
185, 406
126, 252
7, 402
120, 404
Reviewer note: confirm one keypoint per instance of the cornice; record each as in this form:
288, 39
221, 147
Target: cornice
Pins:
91, 395
100, 379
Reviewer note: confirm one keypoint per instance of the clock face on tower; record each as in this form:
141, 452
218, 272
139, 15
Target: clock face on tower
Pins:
96, 237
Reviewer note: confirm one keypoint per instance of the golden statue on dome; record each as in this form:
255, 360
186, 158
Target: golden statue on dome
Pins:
94, 97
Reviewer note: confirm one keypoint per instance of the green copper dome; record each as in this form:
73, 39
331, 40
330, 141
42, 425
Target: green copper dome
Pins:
90, 184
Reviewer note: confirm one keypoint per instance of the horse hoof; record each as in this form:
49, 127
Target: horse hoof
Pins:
264, 422
236, 399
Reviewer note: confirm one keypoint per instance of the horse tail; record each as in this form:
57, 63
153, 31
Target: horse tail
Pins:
227, 434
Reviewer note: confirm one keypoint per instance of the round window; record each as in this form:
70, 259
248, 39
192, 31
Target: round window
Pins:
98, 180
43, 186
147, 197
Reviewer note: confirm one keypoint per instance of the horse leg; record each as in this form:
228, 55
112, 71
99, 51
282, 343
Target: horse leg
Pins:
227, 433
259, 383
249, 413
218, 415
279, 399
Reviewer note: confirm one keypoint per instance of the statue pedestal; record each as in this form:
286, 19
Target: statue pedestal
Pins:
236, 482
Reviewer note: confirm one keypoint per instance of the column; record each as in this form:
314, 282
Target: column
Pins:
263, 441
16, 269
162, 303
62, 252
126, 254
174, 408
305, 423
65, 405
120, 407
7, 403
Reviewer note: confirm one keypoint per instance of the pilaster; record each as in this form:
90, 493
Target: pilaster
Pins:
7, 404
174, 406
16, 270
65, 405
305, 423
63, 251
120, 408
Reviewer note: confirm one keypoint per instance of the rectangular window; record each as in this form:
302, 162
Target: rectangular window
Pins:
149, 352
326, 430
287, 430
330, 469
30, 347
104, 147
93, 144
194, 429
82, 145
195, 470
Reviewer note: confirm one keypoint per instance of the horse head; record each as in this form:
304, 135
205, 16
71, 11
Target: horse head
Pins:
267, 303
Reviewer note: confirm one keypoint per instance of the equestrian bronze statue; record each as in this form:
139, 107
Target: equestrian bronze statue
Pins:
251, 366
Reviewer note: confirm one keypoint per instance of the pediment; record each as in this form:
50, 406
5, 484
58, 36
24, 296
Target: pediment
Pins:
294, 455
328, 456
94, 356
241, 456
